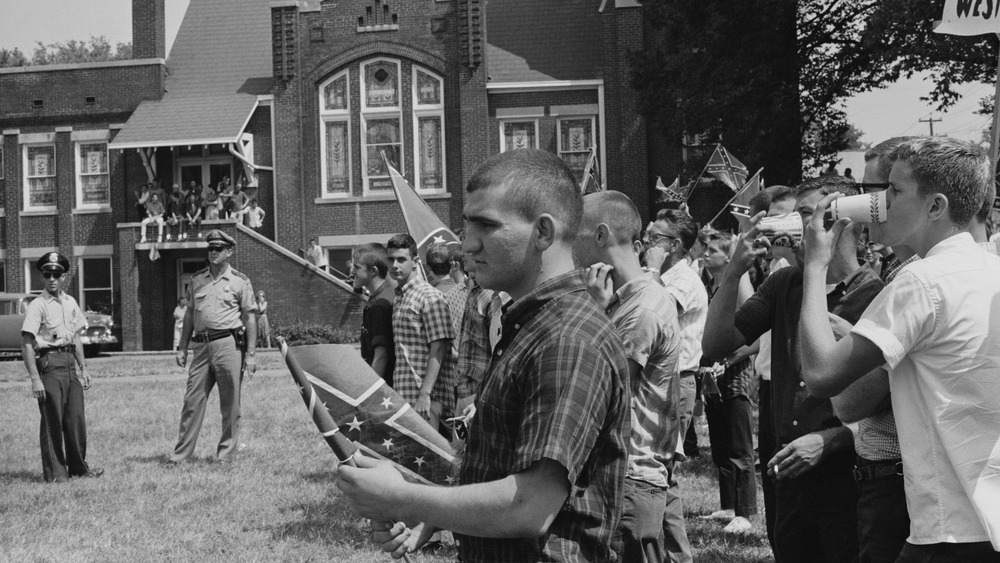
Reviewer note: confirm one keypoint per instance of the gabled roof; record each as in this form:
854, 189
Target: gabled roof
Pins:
530, 41
219, 63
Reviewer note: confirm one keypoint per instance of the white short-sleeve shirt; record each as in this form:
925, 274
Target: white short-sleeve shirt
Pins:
938, 326
692, 302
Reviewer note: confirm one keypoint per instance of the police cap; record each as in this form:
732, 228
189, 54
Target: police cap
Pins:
219, 239
52, 262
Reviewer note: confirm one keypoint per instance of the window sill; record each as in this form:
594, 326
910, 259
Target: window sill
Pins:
92, 210
38, 213
372, 198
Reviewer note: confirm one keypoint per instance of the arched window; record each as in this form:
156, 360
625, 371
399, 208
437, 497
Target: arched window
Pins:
399, 109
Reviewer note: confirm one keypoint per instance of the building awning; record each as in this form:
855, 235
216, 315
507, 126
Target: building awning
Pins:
187, 121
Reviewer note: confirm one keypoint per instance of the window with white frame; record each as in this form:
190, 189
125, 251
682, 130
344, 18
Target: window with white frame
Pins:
40, 177
575, 139
428, 125
335, 135
96, 287
93, 187
518, 134
381, 122
398, 110
33, 278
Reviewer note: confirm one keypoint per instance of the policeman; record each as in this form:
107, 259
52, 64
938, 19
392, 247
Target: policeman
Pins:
52, 352
221, 323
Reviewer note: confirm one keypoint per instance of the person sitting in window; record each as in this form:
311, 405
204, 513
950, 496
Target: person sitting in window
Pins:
255, 215
154, 214
225, 190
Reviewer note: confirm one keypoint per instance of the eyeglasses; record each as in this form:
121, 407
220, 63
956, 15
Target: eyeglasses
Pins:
653, 238
868, 187
52, 275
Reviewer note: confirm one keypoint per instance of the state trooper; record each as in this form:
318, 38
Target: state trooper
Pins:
53, 356
221, 326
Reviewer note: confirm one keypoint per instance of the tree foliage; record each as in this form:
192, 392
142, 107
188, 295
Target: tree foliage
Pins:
718, 67
97, 49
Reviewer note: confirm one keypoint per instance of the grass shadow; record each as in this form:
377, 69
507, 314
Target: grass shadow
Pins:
8, 477
325, 522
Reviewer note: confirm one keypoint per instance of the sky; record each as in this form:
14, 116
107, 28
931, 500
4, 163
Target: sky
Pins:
888, 112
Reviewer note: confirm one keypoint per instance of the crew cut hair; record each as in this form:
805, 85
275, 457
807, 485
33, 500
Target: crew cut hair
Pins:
402, 240
373, 256
959, 170
537, 182
617, 211
828, 185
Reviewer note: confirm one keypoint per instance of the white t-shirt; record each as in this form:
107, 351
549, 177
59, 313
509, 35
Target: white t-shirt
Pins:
938, 326
692, 302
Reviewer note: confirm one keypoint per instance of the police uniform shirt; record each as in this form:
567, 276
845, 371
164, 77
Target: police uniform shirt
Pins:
218, 303
53, 320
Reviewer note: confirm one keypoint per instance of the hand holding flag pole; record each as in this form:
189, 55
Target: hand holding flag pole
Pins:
344, 449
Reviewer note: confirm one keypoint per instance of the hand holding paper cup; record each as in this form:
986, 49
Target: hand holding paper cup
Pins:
782, 230
864, 208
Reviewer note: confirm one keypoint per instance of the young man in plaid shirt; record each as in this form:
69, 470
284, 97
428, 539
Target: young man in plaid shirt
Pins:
422, 331
547, 451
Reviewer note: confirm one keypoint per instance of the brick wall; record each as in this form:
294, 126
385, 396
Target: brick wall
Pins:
149, 35
117, 89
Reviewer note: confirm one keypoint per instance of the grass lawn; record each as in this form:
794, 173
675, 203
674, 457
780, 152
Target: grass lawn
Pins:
278, 502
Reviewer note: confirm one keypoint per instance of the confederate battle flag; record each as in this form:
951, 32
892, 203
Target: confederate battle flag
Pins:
354, 409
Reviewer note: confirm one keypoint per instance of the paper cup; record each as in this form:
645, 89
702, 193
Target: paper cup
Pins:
864, 208
788, 225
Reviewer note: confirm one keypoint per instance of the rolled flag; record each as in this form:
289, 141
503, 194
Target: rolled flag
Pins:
354, 409
421, 222
591, 180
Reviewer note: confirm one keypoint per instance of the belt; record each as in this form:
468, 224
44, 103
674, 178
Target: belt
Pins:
210, 335
69, 349
877, 470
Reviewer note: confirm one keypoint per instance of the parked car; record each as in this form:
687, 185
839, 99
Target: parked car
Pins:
13, 307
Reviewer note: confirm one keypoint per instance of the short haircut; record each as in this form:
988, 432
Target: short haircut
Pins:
773, 194
959, 170
882, 151
438, 259
722, 240
827, 185
537, 182
687, 230
705, 234
373, 256
617, 211
456, 256
402, 240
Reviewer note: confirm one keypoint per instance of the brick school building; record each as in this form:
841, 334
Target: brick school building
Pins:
296, 100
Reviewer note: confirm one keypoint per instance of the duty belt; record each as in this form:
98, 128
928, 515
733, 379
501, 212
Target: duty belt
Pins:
877, 469
210, 335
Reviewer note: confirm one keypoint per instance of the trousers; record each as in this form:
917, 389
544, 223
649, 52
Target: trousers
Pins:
63, 430
730, 430
640, 535
765, 451
213, 363
883, 520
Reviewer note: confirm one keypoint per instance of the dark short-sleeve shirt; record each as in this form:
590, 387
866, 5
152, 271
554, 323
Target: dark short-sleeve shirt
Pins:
556, 388
376, 328
776, 306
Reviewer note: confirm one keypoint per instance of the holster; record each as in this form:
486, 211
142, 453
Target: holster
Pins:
240, 336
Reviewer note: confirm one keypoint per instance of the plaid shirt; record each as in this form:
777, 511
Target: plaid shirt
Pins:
420, 316
474, 341
557, 388
893, 266
456, 298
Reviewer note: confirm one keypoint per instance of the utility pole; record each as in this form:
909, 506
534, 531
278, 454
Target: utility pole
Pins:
930, 121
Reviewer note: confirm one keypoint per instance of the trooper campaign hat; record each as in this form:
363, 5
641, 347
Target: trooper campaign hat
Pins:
219, 239
52, 262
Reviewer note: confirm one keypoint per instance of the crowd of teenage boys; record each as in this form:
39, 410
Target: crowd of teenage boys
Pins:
573, 342
181, 211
